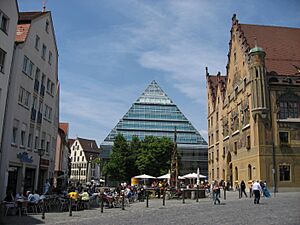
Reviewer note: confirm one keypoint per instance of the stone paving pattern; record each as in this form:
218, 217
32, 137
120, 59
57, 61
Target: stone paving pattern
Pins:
282, 209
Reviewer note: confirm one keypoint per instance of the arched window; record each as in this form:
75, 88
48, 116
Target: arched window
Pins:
249, 172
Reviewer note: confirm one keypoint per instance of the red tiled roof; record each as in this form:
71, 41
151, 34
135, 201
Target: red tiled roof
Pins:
64, 127
281, 44
24, 24
22, 32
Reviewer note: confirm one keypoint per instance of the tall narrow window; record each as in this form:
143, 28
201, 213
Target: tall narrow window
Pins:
44, 49
236, 173
15, 131
36, 142
249, 172
48, 84
2, 60
29, 143
3, 22
248, 144
235, 147
25, 64
23, 137
50, 58
47, 26
37, 42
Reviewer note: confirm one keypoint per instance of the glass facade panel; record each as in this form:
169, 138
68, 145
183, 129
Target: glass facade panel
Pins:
155, 114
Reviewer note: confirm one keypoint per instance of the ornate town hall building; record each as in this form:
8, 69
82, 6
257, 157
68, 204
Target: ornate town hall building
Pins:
254, 110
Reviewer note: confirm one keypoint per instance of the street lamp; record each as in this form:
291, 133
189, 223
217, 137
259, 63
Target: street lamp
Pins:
41, 152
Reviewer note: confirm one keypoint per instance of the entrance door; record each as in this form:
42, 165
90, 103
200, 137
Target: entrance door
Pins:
12, 179
29, 179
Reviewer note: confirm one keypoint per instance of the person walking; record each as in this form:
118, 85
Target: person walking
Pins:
243, 188
256, 188
216, 192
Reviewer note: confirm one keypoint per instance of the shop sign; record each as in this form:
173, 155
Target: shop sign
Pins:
24, 157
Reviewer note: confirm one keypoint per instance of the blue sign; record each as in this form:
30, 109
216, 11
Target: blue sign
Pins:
24, 157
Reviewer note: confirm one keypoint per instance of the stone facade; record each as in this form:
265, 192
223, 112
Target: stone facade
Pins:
254, 110
31, 121
8, 24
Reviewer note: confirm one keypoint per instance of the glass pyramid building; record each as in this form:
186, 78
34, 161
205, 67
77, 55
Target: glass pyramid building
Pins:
155, 114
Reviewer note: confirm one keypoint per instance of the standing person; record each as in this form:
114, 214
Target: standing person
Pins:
250, 188
256, 188
216, 192
243, 188
265, 190
46, 187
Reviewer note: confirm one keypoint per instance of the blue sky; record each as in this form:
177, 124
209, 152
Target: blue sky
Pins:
109, 51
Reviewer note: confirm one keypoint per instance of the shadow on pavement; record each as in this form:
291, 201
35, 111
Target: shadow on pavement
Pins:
15, 220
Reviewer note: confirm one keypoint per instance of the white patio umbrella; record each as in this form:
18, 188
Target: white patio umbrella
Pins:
165, 176
144, 176
193, 176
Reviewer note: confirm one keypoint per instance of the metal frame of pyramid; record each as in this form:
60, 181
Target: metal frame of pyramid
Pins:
155, 114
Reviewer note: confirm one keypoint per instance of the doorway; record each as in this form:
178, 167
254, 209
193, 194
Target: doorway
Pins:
229, 170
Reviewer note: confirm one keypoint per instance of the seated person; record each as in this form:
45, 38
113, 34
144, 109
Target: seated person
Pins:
85, 195
19, 196
33, 198
73, 195
108, 198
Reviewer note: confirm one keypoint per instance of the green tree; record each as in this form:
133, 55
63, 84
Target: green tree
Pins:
131, 157
154, 155
115, 168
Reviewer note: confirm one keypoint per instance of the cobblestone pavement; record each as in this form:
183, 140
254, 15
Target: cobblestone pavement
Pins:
282, 209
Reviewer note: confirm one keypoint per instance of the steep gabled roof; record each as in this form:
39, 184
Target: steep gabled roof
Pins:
216, 82
88, 145
281, 44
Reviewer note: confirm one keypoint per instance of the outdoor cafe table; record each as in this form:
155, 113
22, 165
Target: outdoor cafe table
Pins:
21, 204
